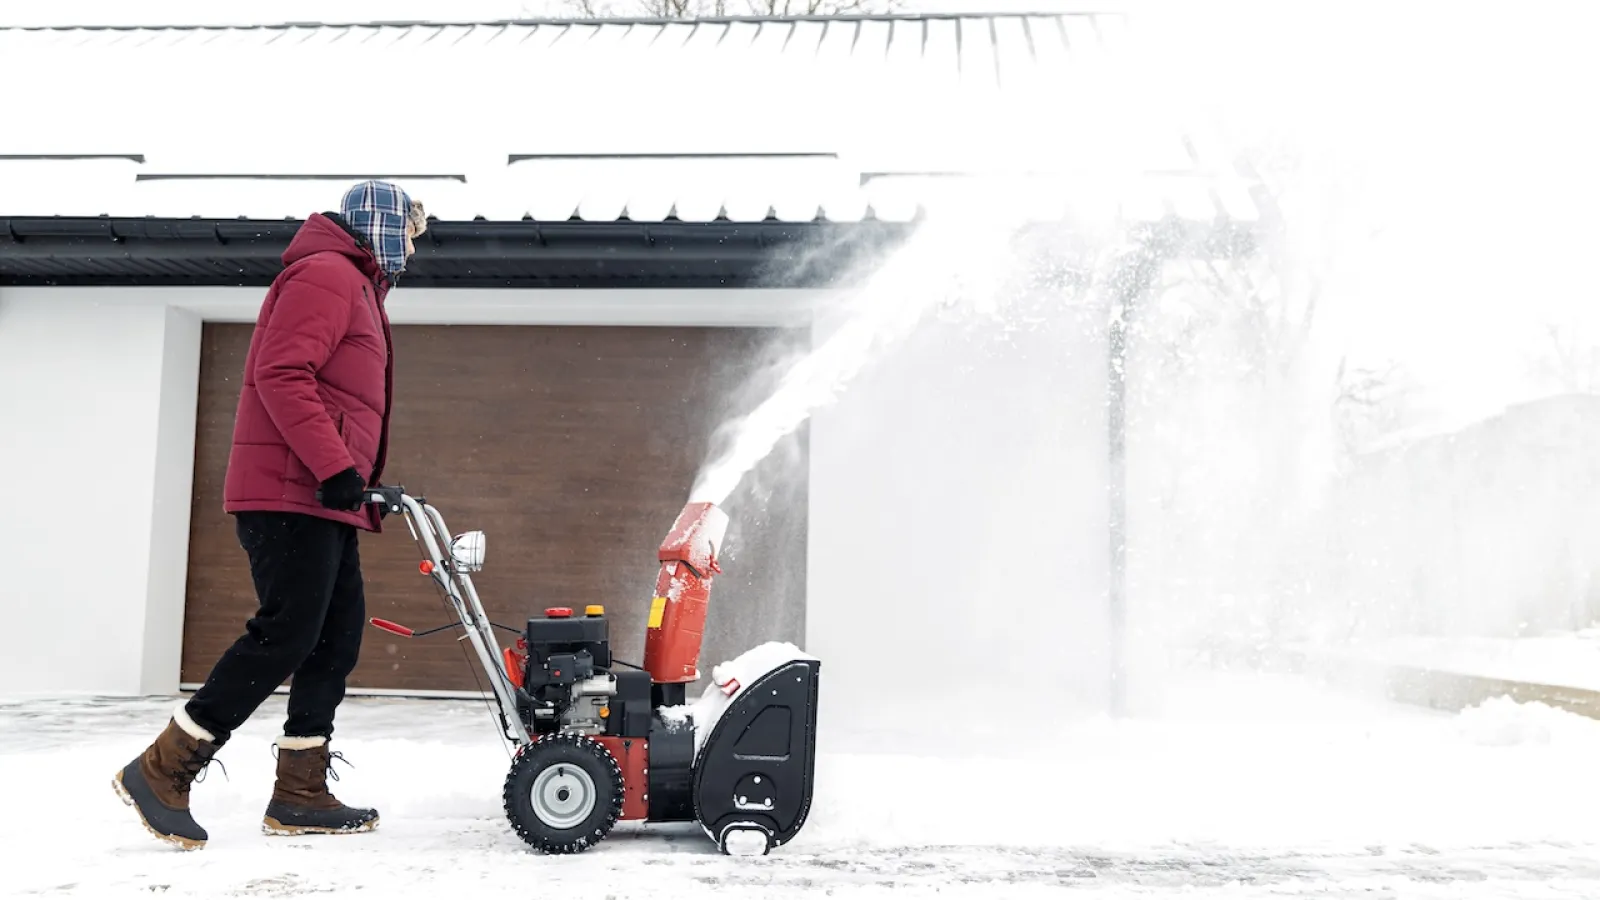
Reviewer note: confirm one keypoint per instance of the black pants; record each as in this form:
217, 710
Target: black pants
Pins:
307, 574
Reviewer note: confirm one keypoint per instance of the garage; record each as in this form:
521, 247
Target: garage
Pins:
573, 447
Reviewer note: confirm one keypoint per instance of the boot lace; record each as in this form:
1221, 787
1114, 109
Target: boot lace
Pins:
193, 768
332, 756
336, 755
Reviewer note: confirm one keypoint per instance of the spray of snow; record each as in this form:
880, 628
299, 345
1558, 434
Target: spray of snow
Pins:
944, 264
1412, 268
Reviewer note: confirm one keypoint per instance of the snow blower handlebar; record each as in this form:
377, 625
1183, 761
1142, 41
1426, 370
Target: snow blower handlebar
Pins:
677, 618
447, 561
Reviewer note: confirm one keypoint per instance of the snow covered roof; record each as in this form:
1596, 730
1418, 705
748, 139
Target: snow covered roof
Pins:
841, 119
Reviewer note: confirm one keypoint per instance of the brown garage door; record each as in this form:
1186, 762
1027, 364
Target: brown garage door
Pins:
573, 447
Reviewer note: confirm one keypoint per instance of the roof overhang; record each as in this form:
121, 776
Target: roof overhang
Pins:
107, 251
552, 193
475, 254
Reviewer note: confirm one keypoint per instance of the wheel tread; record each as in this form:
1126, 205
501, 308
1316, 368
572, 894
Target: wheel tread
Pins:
546, 750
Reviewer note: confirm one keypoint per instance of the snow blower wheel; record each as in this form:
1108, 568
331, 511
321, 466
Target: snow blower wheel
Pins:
563, 793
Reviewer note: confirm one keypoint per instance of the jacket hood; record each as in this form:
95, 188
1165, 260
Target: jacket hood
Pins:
326, 232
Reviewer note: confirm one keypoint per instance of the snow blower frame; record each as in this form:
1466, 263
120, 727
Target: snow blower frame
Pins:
597, 741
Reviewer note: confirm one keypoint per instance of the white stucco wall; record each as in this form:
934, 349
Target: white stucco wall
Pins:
97, 421
96, 440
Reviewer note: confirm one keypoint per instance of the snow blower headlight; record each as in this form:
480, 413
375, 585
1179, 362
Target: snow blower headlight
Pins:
466, 550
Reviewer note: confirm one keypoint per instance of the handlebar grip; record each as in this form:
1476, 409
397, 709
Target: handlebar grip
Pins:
375, 493
392, 627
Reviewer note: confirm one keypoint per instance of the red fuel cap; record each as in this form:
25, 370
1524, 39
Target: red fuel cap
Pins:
558, 612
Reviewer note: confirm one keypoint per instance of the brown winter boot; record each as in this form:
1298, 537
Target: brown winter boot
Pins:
156, 783
301, 803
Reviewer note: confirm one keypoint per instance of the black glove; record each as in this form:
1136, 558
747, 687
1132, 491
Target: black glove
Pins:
343, 491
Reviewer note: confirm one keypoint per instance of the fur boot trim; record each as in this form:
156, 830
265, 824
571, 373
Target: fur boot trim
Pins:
188, 724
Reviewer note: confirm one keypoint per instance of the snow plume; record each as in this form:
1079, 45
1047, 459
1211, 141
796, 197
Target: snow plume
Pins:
945, 262
1007, 167
1424, 240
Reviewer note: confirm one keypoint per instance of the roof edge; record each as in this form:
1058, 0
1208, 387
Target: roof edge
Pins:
79, 251
596, 21
105, 252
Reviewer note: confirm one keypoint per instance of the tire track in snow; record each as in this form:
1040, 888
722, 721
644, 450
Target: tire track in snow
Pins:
1181, 868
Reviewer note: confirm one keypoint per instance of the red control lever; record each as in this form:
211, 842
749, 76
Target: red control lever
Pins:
392, 627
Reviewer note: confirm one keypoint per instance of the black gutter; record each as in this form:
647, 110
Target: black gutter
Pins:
571, 254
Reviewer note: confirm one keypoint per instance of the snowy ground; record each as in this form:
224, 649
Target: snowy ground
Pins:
1245, 788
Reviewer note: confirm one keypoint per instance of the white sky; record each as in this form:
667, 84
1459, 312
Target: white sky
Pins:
212, 12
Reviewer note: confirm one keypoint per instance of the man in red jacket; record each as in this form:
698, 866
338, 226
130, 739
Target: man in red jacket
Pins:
311, 434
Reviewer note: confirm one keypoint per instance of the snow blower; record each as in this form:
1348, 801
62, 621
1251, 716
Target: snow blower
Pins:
597, 741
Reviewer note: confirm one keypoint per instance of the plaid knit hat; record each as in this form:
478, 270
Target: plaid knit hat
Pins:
383, 212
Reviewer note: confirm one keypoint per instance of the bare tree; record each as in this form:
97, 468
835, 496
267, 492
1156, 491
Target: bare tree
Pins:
690, 9
1570, 363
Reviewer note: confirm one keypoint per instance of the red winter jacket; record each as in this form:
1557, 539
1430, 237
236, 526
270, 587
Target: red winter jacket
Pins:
317, 379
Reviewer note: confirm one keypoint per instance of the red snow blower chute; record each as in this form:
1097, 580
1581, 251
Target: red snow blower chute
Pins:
597, 741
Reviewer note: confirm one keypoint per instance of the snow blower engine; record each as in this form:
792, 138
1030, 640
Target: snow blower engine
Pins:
598, 741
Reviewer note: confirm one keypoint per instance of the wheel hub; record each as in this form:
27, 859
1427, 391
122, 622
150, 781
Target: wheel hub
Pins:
563, 796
